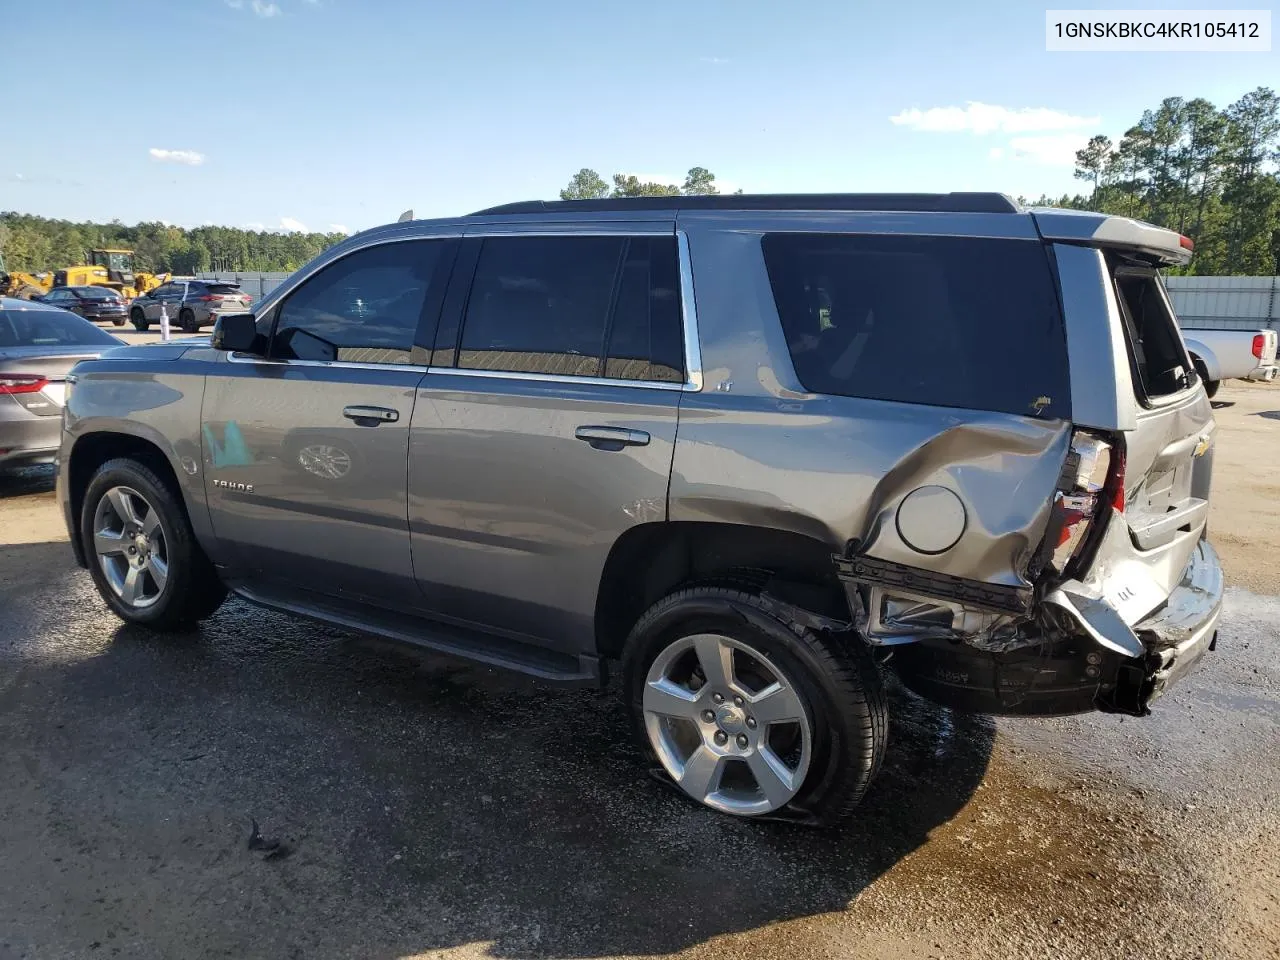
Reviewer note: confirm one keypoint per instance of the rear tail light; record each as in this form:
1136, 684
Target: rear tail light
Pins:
1093, 481
1259, 344
1186, 243
11, 383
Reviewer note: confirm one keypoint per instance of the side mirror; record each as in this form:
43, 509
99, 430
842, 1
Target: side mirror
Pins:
238, 333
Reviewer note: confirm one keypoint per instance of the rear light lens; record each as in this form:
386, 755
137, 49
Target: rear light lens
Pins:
1259, 344
1094, 481
1186, 243
11, 383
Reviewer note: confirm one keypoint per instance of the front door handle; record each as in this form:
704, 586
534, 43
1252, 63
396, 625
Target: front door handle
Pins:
612, 438
376, 414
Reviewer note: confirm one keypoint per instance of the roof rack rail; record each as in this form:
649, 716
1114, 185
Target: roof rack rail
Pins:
888, 202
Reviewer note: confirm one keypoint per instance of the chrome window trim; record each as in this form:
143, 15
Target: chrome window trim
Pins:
689, 317
557, 378
330, 364
688, 306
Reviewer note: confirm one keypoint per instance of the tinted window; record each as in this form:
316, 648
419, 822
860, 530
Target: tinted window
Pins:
951, 322
225, 288
540, 305
644, 337
94, 293
552, 305
53, 296
54, 328
364, 308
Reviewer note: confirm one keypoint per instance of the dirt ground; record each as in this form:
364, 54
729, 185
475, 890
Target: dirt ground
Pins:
428, 808
1244, 517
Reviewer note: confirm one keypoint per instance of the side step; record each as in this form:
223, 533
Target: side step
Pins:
447, 638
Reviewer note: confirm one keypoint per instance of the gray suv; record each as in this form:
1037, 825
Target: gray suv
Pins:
740, 455
190, 304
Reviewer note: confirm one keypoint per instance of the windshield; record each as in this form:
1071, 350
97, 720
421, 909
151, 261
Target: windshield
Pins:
38, 328
95, 293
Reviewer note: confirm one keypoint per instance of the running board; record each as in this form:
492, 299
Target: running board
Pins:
446, 638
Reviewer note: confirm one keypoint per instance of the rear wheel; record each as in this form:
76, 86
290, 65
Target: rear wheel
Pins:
1210, 386
750, 714
139, 319
117, 321
143, 556
187, 321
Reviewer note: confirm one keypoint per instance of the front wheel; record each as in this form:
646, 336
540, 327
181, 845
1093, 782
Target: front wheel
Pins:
139, 319
143, 555
117, 322
750, 714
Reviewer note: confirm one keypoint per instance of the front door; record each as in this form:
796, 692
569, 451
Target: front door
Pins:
544, 429
305, 450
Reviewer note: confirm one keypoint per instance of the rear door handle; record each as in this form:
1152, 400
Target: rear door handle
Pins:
376, 414
612, 438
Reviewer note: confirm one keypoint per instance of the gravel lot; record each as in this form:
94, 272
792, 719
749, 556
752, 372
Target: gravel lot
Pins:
431, 808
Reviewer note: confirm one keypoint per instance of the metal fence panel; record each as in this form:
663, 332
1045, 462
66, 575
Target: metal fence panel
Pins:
1226, 303
257, 285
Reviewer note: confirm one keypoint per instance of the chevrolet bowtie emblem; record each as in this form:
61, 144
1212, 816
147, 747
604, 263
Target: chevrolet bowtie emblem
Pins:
1202, 446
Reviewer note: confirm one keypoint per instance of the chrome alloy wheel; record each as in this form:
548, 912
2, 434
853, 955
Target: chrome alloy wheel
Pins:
132, 550
727, 724
329, 462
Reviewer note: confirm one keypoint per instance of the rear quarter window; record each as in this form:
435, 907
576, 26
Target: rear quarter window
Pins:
943, 321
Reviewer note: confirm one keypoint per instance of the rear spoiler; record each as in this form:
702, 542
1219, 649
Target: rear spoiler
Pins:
1100, 230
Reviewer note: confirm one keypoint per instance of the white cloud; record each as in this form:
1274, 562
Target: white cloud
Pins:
259, 8
996, 153
206, 223
290, 225
984, 118
339, 228
715, 61
253, 225
1055, 150
190, 157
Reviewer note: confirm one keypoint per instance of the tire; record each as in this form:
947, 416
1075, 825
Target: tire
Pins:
190, 589
1210, 386
118, 322
187, 321
139, 320
835, 683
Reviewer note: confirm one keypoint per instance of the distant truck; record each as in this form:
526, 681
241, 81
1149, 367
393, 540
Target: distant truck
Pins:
1229, 325
1231, 354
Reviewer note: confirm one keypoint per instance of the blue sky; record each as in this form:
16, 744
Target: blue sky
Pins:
315, 113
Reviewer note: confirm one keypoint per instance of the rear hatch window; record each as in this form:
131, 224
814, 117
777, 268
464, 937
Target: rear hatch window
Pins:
944, 321
226, 289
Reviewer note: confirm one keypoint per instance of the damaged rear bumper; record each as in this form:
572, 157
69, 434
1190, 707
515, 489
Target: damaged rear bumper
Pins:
1083, 649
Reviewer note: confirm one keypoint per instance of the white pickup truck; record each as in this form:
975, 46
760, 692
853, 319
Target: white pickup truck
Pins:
1231, 354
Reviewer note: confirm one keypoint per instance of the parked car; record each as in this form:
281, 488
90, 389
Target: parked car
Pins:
739, 454
1231, 354
92, 303
190, 304
39, 345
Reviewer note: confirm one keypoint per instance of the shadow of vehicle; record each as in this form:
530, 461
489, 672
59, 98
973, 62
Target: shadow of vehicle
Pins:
1221, 404
1268, 414
425, 803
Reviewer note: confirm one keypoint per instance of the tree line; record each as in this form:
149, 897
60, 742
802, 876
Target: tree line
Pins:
32, 244
586, 184
1208, 173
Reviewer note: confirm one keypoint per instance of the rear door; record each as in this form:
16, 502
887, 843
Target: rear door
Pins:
545, 427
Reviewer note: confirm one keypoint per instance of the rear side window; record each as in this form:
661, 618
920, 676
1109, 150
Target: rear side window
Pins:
1156, 354
943, 321
575, 306
50, 328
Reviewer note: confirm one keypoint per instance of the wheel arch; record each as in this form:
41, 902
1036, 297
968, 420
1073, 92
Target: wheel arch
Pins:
1203, 354
93, 448
652, 560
